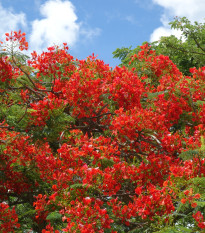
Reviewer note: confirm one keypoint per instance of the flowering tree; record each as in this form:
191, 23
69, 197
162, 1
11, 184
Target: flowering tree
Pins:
186, 52
86, 148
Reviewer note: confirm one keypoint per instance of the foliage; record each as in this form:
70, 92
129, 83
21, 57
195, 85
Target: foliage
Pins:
86, 148
186, 52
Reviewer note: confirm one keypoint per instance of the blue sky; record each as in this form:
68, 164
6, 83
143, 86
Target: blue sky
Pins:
95, 26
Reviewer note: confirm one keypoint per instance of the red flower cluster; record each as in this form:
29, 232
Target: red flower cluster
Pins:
199, 219
19, 37
8, 218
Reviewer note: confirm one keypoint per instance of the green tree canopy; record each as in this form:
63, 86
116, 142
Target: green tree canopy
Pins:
186, 52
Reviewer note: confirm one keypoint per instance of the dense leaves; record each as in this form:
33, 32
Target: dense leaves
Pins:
87, 148
186, 52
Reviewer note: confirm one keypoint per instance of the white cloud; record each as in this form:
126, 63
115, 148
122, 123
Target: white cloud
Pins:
59, 24
163, 31
192, 9
10, 21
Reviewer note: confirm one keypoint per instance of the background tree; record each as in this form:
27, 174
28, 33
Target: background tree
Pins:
186, 52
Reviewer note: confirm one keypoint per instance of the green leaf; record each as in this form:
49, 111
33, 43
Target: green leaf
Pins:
54, 216
188, 155
107, 162
200, 203
199, 103
27, 213
76, 186
155, 94
175, 229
